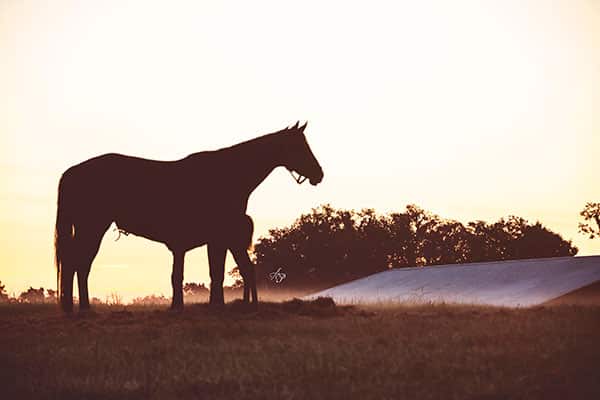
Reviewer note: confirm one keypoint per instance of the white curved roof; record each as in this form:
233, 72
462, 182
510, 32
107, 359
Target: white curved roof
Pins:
515, 283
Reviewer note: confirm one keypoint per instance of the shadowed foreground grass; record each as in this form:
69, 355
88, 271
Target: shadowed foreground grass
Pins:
297, 350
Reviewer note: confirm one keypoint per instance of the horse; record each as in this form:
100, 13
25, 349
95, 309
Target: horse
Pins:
195, 201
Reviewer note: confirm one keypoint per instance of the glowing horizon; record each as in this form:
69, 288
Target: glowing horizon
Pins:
471, 110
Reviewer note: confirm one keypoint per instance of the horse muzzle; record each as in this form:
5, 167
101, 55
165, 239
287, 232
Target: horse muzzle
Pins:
316, 180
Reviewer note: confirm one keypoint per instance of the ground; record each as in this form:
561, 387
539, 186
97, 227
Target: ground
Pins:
301, 350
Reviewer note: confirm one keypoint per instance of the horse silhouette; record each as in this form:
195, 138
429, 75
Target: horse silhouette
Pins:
200, 199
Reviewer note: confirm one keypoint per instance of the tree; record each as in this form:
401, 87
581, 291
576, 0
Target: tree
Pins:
447, 243
400, 236
487, 242
195, 292
3, 295
237, 276
536, 241
514, 238
151, 300
421, 225
96, 301
324, 247
51, 295
32, 295
590, 212
418, 238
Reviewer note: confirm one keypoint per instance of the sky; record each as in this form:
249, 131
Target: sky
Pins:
473, 110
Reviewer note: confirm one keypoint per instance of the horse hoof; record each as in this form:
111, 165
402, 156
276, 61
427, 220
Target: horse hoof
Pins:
216, 303
87, 312
67, 310
176, 308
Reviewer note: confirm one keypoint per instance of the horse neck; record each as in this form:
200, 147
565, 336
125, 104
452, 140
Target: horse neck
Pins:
254, 160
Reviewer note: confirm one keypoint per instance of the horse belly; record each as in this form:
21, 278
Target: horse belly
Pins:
173, 229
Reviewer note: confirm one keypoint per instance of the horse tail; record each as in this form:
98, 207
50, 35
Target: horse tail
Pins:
250, 226
63, 231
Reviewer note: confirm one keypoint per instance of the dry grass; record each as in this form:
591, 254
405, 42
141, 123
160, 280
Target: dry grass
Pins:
301, 350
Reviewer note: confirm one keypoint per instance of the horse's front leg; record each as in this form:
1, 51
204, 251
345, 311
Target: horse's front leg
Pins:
177, 280
248, 273
216, 263
82, 284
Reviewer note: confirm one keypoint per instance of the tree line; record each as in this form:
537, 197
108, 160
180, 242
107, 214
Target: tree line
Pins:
31, 295
329, 246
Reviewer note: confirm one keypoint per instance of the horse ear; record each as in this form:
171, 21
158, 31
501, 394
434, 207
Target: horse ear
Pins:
296, 126
303, 127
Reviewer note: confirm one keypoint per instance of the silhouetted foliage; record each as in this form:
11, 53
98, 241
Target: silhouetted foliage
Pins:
328, 246
514, 238
3, 295
194, 292
95, 300
235, 274
324, 246
114, 299
51, 295
590, 212
32, 295
151, 300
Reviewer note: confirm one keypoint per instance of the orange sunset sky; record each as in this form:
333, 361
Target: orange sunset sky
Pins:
470, 109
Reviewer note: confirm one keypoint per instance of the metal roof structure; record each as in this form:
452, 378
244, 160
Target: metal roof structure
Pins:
514, 283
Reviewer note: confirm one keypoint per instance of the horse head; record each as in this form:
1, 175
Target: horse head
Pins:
299, 158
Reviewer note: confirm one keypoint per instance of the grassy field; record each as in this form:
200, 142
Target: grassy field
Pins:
299, 350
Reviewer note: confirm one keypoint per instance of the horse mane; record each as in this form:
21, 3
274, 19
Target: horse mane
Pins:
269, 137
247, 144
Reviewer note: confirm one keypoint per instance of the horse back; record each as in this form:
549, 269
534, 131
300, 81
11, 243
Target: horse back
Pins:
167, 201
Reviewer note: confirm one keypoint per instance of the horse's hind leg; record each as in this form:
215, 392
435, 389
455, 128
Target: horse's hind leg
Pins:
67, 273
87, 240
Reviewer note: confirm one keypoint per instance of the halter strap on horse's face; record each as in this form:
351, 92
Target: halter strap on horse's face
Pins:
299, 179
